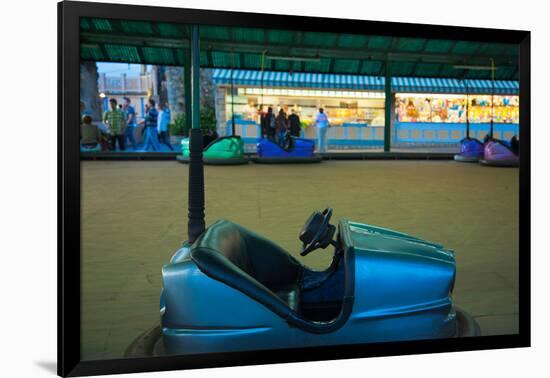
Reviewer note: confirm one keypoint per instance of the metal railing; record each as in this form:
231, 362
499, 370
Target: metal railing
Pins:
363, 136
124, 84
448, 133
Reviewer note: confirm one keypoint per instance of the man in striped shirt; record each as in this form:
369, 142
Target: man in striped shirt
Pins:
115, 121
150, 130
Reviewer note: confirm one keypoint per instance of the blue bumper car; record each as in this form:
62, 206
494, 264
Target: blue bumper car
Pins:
291, 151
471, 150
234, 290
500, 153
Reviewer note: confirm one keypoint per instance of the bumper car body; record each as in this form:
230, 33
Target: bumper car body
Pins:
500, 153
296, 150
90, 147
227, 150
471, 150
233, 290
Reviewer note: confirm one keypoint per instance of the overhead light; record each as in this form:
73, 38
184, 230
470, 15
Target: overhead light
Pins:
295, 59
477, 68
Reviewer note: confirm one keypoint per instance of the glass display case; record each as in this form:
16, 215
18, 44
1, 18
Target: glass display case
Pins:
342, 107
449, 108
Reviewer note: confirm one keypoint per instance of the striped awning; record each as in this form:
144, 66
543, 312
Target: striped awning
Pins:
441, 85
297, 79
357, 82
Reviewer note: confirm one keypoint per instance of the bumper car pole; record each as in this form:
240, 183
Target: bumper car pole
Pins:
195, 225
492, 96
232, 95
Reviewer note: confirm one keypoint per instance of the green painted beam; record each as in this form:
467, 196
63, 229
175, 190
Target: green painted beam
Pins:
187, 89
387, 108
298, 51
195, 219
195, 77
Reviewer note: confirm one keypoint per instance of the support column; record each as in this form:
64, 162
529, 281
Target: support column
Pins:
195, 225
187, 90
387, 109
154, 78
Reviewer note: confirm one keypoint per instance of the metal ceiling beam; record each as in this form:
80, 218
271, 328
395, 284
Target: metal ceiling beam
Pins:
515, 72
383, 67
142, 58
337, 41
453, 45
394, 42
298, 37
424, 45
480, 48
331, 65
155, 28
209, 57
104, 51
282, 50
440, 69
361, 65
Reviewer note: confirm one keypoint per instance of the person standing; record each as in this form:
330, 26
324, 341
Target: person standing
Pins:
150, 129
130, 114
164, 119
267, 124
281, 126
294, 123
263, 123
114, 119
321, 124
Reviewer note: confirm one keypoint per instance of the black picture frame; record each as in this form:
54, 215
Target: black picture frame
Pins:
69, 362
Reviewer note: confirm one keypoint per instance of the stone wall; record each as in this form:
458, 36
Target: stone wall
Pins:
89, 93
174, 83
175, 89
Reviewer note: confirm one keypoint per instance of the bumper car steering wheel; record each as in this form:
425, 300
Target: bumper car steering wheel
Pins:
317, 232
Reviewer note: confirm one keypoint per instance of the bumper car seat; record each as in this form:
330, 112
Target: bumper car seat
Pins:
251, 264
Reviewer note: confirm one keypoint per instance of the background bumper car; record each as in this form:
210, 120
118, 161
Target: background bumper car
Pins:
92, 147
471, 150
293, 151
499, 153
227, 150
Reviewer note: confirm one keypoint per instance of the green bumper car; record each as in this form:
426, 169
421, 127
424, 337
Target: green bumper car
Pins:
227, 150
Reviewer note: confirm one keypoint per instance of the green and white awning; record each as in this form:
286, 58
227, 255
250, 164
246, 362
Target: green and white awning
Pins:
443, 85
358, 82
297, 80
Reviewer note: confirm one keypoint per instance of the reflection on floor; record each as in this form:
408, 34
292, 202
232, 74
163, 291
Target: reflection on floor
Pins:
134, 218
140, 148
252, 149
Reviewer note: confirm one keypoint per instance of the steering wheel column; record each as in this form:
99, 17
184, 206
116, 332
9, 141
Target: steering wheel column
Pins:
317, 232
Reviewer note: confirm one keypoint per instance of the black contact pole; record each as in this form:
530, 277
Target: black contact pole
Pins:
195, 225
232, 99
492, 95
387, 108
467, 111
262, 82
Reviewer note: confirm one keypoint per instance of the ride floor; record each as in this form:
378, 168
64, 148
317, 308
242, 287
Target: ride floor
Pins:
134, 218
